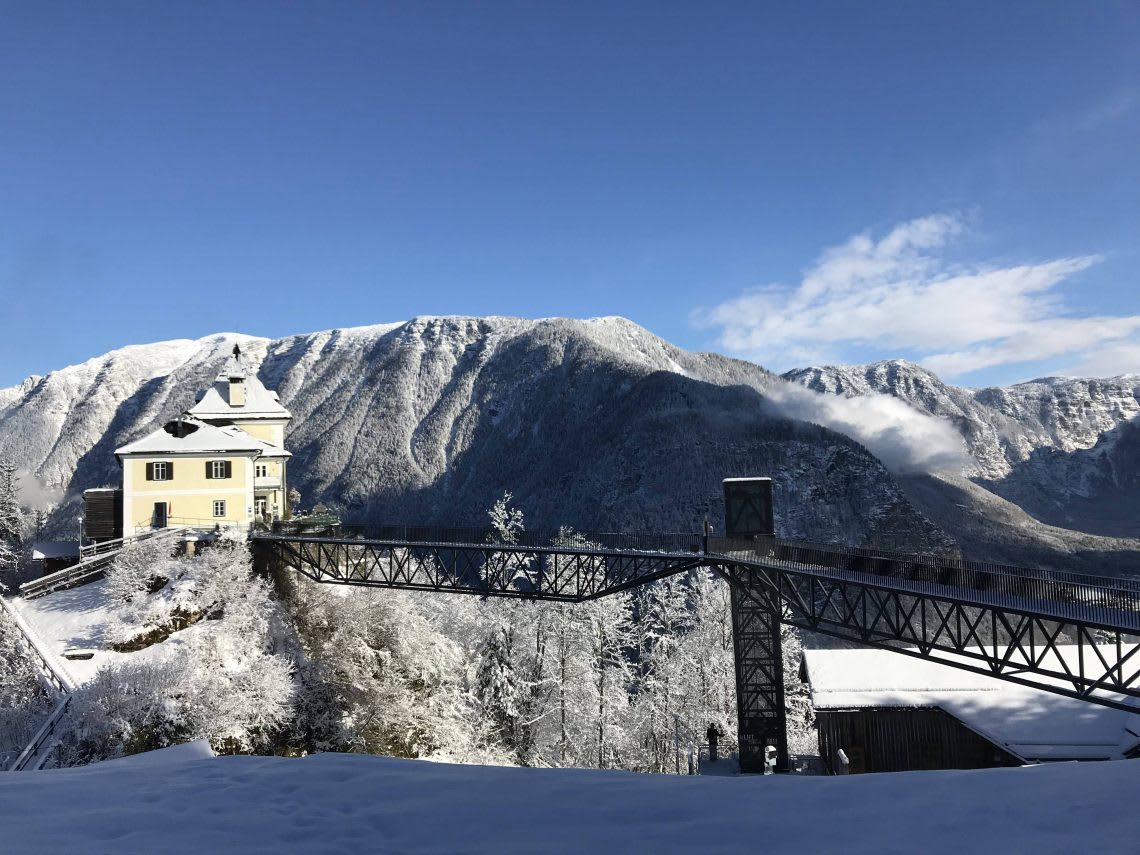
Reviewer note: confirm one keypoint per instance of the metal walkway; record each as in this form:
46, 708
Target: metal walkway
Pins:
93, 563
1071, 634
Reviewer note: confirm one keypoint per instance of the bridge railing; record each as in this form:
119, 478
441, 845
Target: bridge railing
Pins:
537, 538
1080, 593
91, 567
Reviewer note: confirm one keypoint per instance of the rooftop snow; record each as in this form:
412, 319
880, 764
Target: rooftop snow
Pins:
55, 549
260, 403
204, 438
1032, 723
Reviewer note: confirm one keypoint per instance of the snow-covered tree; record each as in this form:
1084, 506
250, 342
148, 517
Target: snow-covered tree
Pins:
709, 692
23, 701
499, 688
397, 683
11, 517
662, 671
802, 736
232, 682
606, 712
139, 568
506, 521
128, 708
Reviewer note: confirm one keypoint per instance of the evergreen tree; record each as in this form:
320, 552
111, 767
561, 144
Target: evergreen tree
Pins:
664, 618
498, 688
11, 518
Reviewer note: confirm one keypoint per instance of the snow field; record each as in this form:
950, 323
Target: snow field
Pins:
175, 801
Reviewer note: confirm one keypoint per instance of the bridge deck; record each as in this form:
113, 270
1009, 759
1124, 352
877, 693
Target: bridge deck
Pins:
1105, 602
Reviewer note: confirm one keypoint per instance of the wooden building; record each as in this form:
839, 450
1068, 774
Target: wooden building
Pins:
888, 712
102, 514
899, 739
50, 556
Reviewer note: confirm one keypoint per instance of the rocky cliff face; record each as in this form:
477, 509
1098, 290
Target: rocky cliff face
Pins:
596, 424
1065, 450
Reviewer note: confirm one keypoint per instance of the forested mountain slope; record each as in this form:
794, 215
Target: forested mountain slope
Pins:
592, 423
1065, 450
596, 424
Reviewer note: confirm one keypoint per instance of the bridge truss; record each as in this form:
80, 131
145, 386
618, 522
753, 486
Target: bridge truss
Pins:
1070, 634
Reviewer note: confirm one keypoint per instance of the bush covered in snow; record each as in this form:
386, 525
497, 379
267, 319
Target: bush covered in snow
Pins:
225, 671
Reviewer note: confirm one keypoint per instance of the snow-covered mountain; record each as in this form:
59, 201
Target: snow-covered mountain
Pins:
601, 425
1065, 450
596, 424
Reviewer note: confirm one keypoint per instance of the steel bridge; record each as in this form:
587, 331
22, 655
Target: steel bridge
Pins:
1071, 634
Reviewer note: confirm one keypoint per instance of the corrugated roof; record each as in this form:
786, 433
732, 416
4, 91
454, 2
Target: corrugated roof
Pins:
1032, 723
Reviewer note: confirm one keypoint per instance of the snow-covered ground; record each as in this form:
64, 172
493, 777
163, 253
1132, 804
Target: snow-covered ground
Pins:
181, 801
79, 619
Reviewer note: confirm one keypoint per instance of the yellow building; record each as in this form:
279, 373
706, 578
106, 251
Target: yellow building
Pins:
222, 464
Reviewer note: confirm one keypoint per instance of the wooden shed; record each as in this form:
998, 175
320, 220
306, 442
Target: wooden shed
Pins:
50, 556
889, 712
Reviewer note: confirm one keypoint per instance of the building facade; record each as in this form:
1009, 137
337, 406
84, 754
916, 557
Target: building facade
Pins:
223, 464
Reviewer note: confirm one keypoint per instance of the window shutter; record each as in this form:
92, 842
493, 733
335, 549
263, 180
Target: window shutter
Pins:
150, 472
209, 469
229, 469
170, 470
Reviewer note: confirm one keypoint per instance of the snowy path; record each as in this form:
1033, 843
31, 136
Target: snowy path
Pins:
359, 804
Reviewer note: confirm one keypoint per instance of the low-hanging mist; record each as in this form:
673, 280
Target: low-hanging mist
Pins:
903, 438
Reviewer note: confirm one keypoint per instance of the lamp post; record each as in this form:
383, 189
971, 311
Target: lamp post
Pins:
79, 519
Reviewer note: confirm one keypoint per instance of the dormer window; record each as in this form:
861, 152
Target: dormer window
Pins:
237, 392
216, 469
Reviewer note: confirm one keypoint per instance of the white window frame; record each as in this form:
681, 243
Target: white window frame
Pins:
217, 469
261, 470
219, 503
160, 469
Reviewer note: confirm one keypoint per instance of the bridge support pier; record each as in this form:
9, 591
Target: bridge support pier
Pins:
761, 717
761, 720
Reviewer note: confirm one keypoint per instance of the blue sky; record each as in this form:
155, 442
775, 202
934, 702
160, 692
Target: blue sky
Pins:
956, 183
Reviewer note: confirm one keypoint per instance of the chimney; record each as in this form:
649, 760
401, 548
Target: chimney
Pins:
236, 374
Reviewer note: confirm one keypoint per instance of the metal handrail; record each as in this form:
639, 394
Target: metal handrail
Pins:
118, 543
1070, 595
89, 568
42, 738
1077, 594
57, 681
673, 543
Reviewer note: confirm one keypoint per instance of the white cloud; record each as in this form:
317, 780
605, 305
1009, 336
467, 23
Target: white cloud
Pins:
903, 438
1122, 357
901, 293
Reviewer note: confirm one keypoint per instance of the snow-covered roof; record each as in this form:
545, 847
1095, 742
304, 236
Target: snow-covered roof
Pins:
1031, 723
55, 549
260, 403
193, 435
